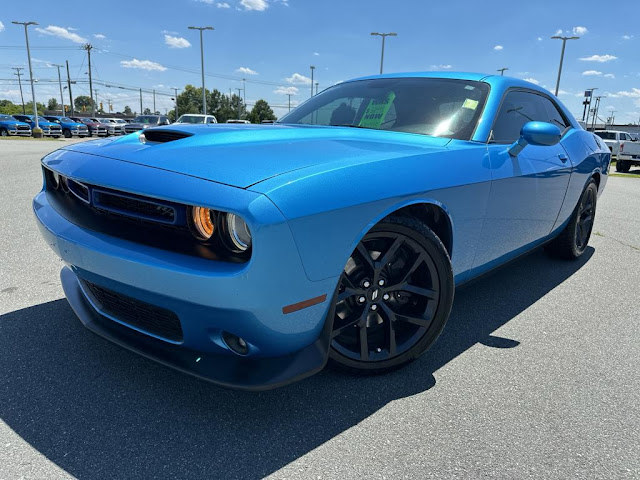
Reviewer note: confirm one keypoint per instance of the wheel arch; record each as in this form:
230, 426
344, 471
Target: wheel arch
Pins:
430, 211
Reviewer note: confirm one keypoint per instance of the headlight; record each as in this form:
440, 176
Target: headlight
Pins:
202, 221
238, 233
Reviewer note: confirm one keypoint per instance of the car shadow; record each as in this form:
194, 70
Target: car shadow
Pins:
97, 410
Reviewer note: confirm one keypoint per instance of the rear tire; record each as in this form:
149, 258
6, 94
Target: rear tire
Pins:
573, 240
394, 298
4, 132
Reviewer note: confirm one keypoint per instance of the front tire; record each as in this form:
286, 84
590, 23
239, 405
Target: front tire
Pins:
394, 298
66, 133
573, 240
4, 132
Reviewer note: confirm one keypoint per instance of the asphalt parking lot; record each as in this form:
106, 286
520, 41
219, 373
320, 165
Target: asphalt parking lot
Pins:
535, 376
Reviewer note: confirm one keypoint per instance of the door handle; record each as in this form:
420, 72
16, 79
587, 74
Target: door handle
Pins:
563, 158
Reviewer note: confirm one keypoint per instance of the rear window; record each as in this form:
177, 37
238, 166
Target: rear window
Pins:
606, 135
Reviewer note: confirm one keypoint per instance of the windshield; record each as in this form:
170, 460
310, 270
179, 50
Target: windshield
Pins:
145, 119
42, 119
606, 135
7, 117
191, 119
67, 120
430, 106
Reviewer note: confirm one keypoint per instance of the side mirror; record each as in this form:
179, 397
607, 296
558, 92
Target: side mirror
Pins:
536, 133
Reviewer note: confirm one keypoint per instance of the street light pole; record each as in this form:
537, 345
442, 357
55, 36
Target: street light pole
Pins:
17, 69
384, 36
289, 95
587, 104
501, 70
564, 42
317, 87
312, 69
37, 131
204, 95
175, 91
239, 100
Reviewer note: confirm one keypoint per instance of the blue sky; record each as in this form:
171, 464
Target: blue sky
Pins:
272, 43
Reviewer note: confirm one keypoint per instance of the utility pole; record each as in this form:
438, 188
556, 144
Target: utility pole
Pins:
244, 92
37, 131
60, 84
140, 101
612, 118
175, 98
154, 100
317, 87
501, 70
96, 102
384, 36
204, 94
595, 111
239, 99
564, 42
17, 69
88, 47
69, 85
312, 69
289, 95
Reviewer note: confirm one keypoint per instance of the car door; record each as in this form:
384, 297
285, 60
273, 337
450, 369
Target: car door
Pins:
527, 190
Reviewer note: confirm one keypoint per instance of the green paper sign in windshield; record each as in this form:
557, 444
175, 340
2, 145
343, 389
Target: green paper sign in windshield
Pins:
376, 111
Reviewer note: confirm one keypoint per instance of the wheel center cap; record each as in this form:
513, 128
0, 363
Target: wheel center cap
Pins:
374, 295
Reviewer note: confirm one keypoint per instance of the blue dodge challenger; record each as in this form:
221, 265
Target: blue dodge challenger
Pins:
252, 255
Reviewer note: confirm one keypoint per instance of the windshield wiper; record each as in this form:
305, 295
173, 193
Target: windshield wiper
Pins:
346, 125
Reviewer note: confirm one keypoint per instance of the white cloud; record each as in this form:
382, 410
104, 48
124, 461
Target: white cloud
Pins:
563, 92
297, 79
609, 75
624, 37
558, 32
223, 5
580, 31
1, 26
286, 91
441, 67
532, 80
498, 47
246, 71
142, 64
62, 32
539, 39
591, 73
633, 93
99, 36
176, 42
258, 5
599, 58
316, 54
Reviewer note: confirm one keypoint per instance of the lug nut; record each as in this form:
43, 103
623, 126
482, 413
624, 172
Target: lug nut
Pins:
381, 282
366, 284
362, 300
374, 307
386, 296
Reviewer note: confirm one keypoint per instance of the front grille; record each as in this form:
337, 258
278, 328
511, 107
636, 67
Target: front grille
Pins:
136, 313
23, 127
135, 207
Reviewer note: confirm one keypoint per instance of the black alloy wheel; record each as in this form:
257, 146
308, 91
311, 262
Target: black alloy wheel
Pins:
394, 298
573, 240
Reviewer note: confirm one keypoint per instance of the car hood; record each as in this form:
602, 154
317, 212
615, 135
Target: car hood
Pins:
243, 155
12, 122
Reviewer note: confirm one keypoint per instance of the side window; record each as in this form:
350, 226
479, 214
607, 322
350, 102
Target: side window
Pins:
517, 109
555, 116
623, 137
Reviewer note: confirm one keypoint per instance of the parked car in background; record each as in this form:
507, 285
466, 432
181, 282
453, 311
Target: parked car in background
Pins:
116, 124
236, 120
145, 121
9, 126
197, 118
49, 129
625, 150
69, 126
95, 128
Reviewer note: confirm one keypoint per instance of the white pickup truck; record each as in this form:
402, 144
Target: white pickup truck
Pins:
624, 147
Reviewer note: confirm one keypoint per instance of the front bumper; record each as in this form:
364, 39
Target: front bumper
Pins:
209, 297
243, 373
